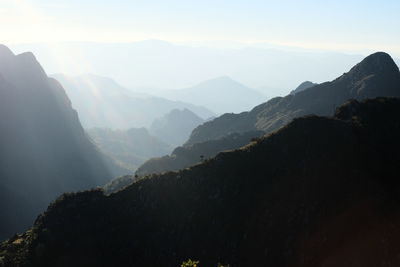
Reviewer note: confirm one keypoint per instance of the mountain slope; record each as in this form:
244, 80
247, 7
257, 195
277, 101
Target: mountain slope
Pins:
44, 150
174, 128
103, 103
319, 192
186, 156
376, 75
230, 131
220, 95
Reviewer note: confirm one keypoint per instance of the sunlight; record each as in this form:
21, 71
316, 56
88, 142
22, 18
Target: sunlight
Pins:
69, 59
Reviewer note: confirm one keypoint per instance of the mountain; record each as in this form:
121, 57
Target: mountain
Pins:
220, 95
231, 131
303, 86
157, 64
186, 156
376, 75
44, 150
129, 148
175, 127
103, 103
318, 192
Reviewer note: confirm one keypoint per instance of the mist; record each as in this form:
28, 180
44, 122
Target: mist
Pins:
155, 65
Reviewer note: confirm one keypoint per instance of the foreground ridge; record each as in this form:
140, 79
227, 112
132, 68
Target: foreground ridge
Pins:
311, 194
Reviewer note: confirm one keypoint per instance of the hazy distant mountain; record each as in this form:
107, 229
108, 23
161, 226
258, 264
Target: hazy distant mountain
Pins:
303, 86
221, 95
102, 103
43, 148
174, 128
319, 192
376, 75
130, 148
159, 64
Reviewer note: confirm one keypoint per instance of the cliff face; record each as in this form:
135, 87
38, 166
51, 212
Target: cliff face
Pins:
44, 150
319, 192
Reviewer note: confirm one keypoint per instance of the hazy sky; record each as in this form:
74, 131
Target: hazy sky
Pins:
352, 26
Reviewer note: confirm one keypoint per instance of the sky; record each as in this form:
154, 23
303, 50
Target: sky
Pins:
347, 26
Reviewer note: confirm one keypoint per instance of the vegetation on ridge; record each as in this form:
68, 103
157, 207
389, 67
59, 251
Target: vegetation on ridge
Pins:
289, 199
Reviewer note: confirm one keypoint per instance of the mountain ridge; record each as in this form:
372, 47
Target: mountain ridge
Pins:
359, 83
231, 131
288, 199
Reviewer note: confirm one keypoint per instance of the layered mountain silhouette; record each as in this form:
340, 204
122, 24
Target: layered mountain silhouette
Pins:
376, 75
43, 148
103, 103
231, 131
318, 192
129, 148
174, 128
220, 95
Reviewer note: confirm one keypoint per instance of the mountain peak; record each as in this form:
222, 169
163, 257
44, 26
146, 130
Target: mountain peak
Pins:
303, 86
379, 62
5, 51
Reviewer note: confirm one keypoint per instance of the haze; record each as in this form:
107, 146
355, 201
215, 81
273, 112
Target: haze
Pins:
201, 40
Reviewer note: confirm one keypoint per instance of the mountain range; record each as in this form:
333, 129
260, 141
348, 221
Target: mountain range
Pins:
231, 131
309, 179
102, 103
376, 75
318, 192
157, 63
44, 149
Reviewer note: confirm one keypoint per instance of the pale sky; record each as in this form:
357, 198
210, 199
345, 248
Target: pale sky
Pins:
355, 26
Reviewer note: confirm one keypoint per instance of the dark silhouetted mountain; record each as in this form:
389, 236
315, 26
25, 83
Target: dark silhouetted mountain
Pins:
303, 86
43, 148
220, 95
318, 192
175, 127
103, 103
186, 156
129, 148
376, 75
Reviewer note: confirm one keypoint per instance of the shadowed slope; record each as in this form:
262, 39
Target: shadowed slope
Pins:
44, 150
319, 192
